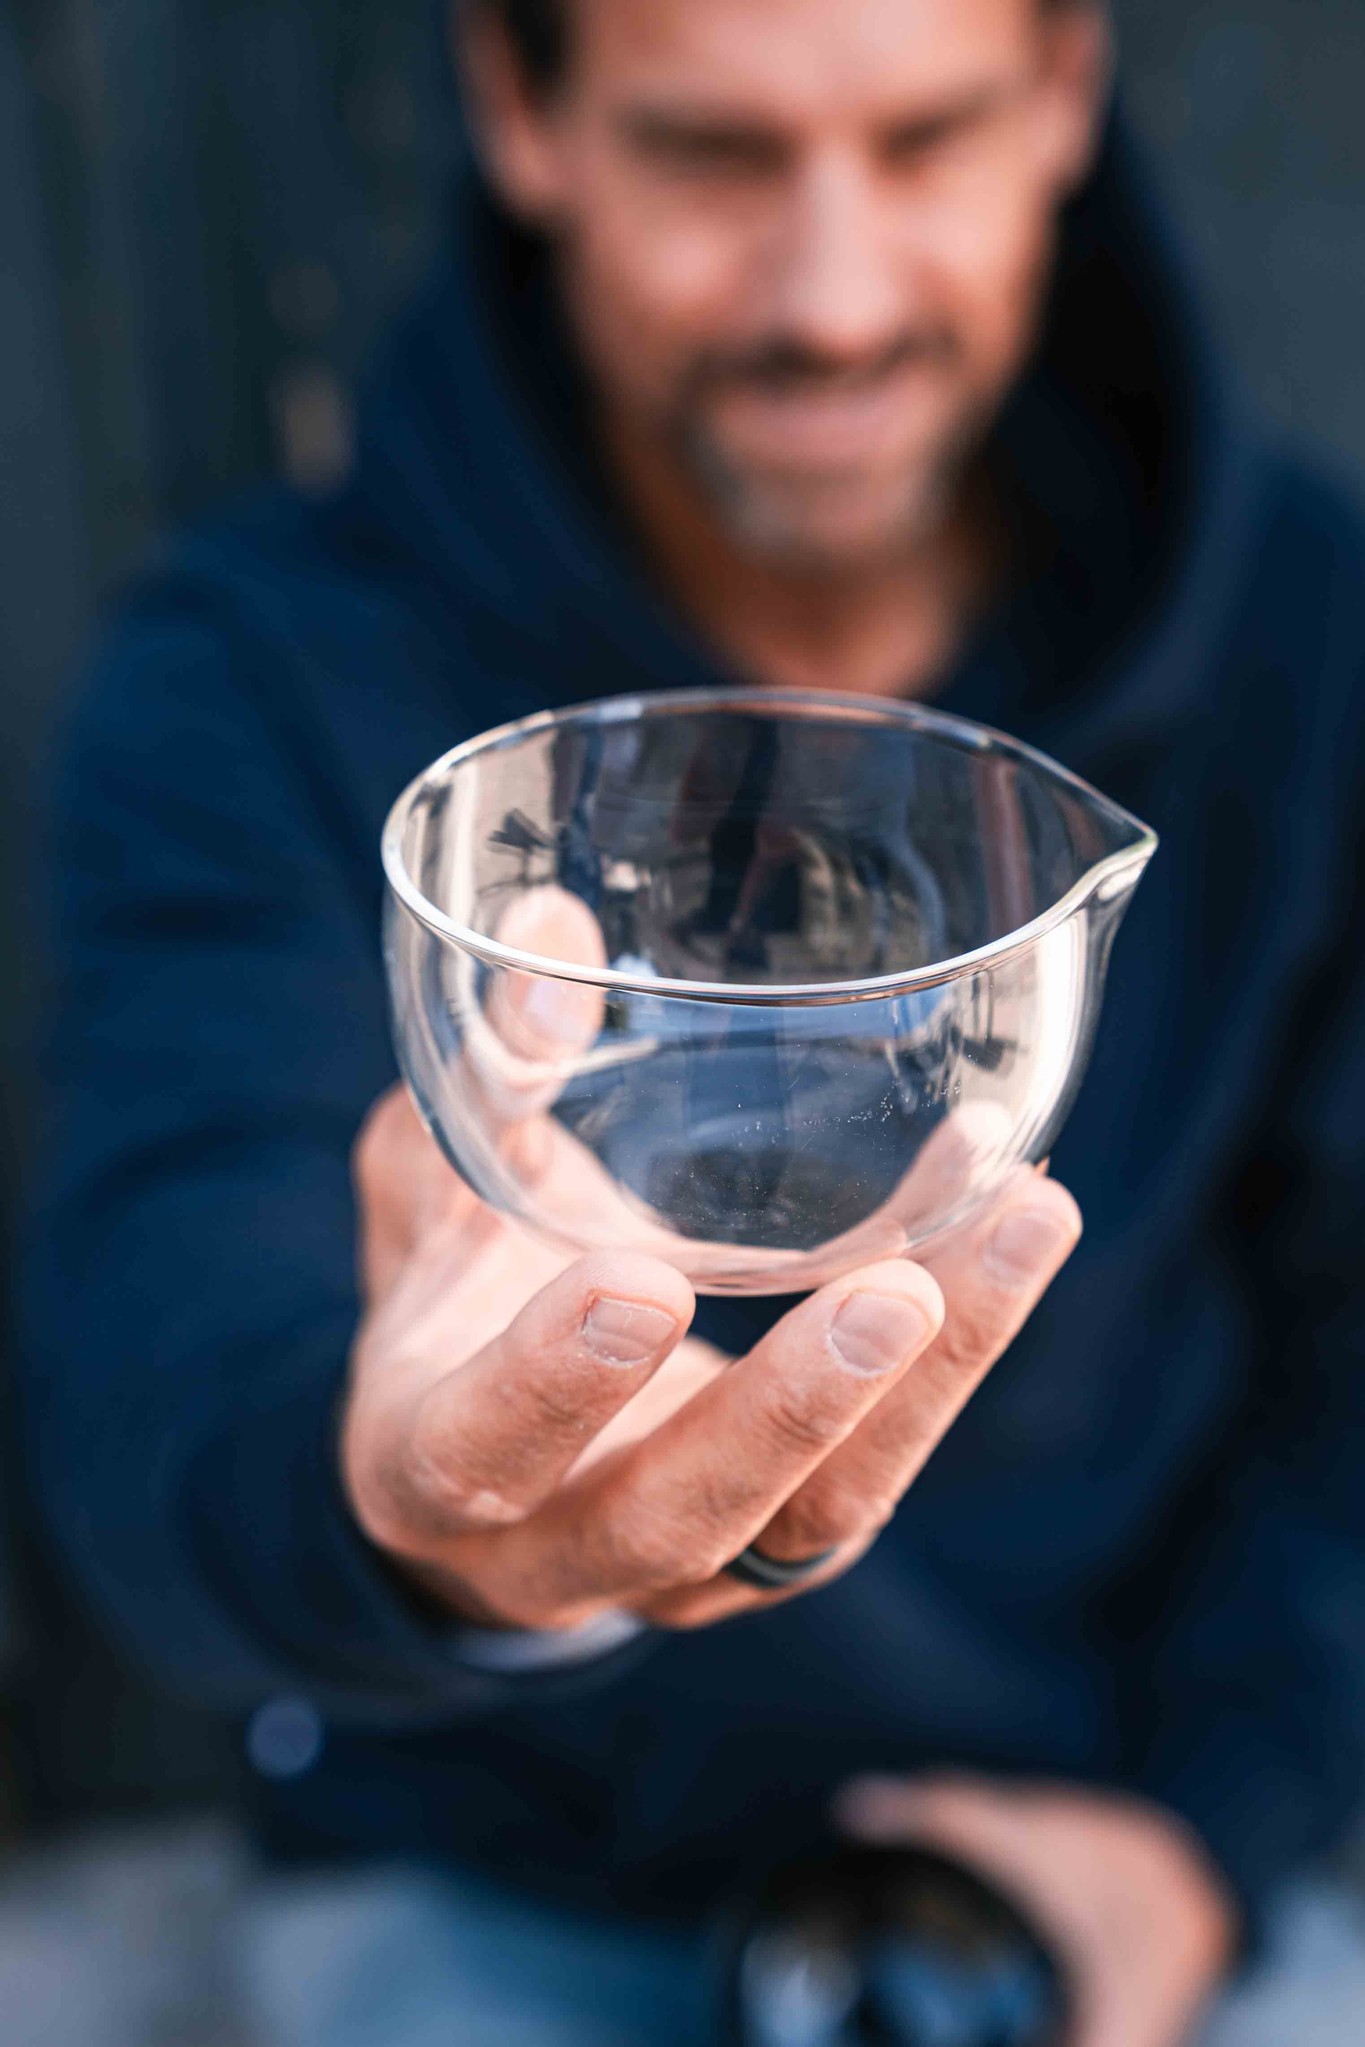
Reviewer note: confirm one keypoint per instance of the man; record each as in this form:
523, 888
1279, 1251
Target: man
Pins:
814, 344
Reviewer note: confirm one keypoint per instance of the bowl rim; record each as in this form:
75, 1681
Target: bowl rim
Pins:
1107, 877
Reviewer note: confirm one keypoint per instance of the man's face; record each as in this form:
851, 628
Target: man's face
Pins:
804, 243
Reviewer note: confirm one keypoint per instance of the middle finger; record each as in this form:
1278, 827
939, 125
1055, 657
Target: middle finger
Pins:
992, 1276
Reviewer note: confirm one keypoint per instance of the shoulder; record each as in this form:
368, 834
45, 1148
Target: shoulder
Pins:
171, 709
264, 585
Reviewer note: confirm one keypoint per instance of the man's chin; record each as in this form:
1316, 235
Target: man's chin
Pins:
821, 522
831, 531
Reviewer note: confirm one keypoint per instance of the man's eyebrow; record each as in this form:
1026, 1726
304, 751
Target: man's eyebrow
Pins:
974, 104
665, 120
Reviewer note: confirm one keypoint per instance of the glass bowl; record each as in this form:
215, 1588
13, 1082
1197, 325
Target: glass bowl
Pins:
770, 984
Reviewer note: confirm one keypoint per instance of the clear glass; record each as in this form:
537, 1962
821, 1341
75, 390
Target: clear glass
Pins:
769, 984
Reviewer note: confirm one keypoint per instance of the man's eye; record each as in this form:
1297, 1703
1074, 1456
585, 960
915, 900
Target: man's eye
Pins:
713, 155
953, 137
921, 144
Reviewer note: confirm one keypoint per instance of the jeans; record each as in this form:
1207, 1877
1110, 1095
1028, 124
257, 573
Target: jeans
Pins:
407, 1959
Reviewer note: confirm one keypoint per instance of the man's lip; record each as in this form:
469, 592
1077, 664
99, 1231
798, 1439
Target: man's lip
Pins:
830, 425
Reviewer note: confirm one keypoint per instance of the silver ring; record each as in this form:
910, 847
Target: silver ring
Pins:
751, 1567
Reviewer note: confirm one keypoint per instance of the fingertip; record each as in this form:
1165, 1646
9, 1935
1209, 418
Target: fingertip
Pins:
883, 1317
900, 1276
635, 1276
1032, 1237
1049, 1196
556, 925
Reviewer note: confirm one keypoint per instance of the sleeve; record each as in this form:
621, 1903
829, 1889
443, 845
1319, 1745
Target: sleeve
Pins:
1251, 1669
217, 1029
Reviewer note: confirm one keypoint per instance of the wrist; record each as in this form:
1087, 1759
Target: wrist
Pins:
502, 1650
485, 1644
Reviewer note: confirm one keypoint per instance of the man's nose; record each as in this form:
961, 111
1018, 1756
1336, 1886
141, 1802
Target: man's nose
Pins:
837, 285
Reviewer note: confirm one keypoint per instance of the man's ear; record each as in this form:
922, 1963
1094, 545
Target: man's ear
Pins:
510, 123
1079, 59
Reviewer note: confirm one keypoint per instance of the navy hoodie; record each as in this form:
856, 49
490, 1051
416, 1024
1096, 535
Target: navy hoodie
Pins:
1137, 1559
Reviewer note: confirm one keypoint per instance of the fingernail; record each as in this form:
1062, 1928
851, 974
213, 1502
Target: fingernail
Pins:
1025, 1243
873, 1333
627, 1332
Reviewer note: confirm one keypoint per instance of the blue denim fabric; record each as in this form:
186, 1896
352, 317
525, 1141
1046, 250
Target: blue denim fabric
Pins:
406, 1959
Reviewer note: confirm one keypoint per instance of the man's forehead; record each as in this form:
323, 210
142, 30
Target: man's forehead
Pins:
794, 55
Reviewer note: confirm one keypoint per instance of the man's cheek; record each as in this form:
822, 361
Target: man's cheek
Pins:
638, 361
684, 261
988, 272
996, 324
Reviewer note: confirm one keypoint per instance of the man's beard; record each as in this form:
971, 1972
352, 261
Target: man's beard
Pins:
770, 522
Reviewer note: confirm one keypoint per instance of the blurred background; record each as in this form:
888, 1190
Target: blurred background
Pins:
207, 209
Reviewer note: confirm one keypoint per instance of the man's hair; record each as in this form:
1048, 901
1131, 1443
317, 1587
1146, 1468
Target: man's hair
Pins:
539, 32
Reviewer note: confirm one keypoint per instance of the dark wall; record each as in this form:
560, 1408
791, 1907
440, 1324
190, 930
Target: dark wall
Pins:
207, 207
1255, 110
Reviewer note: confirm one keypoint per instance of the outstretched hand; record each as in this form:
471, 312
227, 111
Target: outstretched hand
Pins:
539, 1441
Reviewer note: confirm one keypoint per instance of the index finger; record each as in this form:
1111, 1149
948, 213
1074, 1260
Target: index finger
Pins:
453, 1448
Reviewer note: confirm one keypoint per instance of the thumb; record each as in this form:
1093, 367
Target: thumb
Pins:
943, 1807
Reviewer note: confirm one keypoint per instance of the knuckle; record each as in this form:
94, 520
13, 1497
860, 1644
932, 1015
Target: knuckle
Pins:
440, 1497
558, 1407
447, 1503
804, 1419
714, 1502
704, 1561
690, 1539
876, 1517
643, 1550
809, 1526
